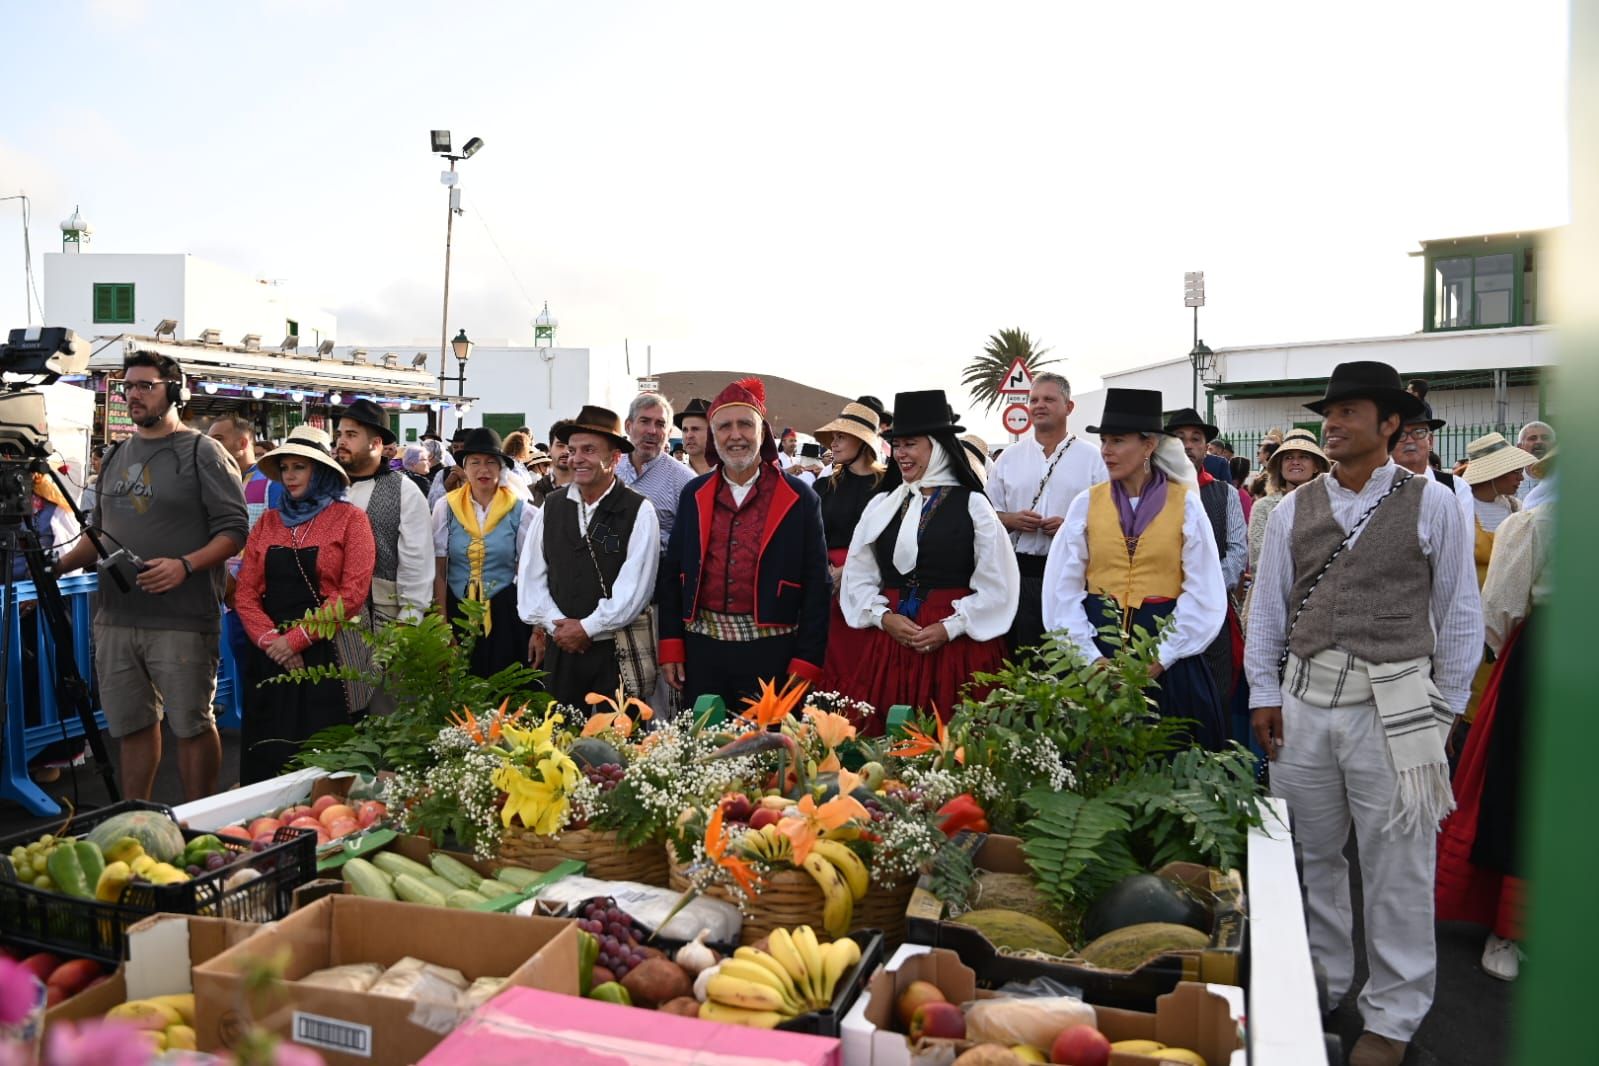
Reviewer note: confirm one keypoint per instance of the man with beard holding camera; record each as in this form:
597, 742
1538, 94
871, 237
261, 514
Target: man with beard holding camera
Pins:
173, 498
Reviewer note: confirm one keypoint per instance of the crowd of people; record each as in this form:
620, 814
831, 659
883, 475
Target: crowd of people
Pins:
1360, 617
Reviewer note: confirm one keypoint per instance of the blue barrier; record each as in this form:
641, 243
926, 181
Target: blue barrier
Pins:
23, 741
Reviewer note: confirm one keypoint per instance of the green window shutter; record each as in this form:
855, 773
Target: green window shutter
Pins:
113, 303
124, 303
504, 424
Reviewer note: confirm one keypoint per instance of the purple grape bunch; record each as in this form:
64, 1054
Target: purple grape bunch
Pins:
605, 777
620, 949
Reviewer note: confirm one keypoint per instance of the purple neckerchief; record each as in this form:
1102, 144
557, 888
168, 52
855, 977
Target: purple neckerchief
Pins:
1136, 520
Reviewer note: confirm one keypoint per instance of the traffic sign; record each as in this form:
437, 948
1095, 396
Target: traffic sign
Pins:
1018, 380
1017, 418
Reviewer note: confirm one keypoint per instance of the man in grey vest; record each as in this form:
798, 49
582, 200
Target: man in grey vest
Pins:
588, 571
1226, 514
1364, 631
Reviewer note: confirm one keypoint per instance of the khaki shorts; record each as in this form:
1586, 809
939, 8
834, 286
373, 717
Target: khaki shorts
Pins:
144, 674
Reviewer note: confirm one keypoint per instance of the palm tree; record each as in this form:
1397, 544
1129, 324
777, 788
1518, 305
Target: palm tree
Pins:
984, 375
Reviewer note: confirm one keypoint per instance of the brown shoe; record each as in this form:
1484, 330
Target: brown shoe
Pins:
1374, 1050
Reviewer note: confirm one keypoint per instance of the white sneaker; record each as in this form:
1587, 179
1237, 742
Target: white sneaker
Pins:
1501, 958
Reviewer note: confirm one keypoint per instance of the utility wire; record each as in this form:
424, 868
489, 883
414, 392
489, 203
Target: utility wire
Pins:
483, 220
27, 257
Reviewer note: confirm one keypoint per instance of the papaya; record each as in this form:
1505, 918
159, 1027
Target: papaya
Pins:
1015, 931
1131, 946
157, 834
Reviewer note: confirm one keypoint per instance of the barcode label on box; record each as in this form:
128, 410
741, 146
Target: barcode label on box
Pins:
331, 1034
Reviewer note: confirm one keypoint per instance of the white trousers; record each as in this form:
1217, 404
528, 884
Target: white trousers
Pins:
1334, 769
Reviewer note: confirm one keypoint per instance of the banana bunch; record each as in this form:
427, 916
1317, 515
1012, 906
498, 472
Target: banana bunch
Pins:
843, 879
762, 989
166, 1021
767, 845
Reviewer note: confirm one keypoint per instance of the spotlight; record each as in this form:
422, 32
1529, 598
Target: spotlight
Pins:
210, 388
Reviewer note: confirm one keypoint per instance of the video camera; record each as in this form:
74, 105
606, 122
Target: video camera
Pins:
41, 355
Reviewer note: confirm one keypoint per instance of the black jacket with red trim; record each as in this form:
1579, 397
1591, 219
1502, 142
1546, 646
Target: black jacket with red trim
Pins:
791, 585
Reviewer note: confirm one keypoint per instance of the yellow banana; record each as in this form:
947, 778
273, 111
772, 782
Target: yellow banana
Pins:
805, 940
181, 1038
848, 863
145, 1014
123, 849
744, 970
183, 1003
113, 879
771, 965
712, 1011
838, 904
781, 945
837, 958
750, 995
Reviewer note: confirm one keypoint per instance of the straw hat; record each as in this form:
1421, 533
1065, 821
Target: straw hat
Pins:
308, 442
1492, 456
1297, 440
977, 448
857, 419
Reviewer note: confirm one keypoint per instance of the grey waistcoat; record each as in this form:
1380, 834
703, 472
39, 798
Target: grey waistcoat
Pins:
1375, 602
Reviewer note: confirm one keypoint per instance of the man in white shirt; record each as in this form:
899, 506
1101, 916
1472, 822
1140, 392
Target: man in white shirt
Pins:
1415, 444
1030, 485
588, 571
1538, 438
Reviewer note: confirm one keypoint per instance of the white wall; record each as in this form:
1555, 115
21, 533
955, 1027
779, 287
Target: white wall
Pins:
199, 294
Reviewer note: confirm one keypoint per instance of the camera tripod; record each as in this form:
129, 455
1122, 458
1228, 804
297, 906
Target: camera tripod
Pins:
18, 537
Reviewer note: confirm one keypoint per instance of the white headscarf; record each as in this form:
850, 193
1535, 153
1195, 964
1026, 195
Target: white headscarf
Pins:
937, 475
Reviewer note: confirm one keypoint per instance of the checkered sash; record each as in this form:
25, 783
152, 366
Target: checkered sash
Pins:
736, 628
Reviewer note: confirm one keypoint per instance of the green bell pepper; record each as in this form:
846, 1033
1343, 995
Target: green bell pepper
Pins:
611, 992
75, 867
195, 851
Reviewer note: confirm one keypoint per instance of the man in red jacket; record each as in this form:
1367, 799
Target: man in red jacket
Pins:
743, 587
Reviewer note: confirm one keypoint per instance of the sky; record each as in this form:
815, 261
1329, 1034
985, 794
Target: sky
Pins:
851, 194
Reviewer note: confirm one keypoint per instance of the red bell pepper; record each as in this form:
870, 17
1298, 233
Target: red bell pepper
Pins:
963, 812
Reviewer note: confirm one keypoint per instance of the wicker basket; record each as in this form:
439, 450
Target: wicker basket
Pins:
607, 858
791, 897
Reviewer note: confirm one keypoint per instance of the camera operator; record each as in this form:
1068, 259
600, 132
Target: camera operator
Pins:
172, 497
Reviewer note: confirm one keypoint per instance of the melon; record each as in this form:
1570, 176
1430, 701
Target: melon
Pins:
1145, 898
1131, 946
591, 751
159, 835
1015, 931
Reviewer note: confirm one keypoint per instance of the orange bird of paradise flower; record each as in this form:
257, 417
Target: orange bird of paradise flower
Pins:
773, 707
618, 720
919, 743
489, 729
716, 848
815, 819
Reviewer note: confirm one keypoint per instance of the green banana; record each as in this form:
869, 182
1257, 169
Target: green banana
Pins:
849, 864
838, 904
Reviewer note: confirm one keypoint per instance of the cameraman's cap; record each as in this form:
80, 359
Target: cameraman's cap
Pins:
307, 442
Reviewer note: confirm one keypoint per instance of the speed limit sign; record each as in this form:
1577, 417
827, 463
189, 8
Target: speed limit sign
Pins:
1017, 418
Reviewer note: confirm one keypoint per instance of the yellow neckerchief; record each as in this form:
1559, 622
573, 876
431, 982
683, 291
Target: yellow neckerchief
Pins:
461, 506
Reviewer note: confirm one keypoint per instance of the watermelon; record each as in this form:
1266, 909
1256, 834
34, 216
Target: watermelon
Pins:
1145, 898
592, 751
159, 835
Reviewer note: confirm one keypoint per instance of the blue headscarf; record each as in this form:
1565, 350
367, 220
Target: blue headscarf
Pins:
326, 486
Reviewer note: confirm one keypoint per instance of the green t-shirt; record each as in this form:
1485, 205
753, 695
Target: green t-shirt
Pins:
162, 499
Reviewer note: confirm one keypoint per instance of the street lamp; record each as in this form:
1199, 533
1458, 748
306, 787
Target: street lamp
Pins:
463, 351
1203, 359
440, 141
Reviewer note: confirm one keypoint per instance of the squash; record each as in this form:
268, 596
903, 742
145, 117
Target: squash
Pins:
157, 834
1141, 899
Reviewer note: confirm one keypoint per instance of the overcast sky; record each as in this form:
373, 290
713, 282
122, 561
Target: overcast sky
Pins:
852, 194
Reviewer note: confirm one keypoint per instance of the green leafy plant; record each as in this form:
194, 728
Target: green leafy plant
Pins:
984, 375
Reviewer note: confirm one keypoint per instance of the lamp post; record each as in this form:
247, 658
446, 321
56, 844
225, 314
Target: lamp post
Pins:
441, 146
463, 350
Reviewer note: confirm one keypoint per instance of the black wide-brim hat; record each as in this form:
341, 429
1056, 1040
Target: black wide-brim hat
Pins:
922, 414
459, 435
1190, 417
371, 415
484, 441
698, 407
1369, 380
592, 419
1130, 411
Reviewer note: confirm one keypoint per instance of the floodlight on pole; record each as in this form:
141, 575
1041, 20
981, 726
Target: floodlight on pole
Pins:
441, 142
471, 147
453, 208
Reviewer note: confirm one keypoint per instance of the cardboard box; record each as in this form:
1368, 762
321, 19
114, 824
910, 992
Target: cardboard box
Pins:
1202, 1018
523, 1025
1221, 961
351, 1028
162, 951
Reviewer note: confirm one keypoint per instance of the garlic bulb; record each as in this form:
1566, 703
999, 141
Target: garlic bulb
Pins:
702, 982
695, 955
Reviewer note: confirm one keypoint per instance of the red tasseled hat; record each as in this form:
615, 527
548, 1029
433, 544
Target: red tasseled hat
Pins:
751, 393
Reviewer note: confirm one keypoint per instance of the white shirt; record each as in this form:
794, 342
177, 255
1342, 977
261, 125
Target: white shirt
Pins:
996, 583
1237, 561
1013, 483
630, 593
1463, 494
441, 526
413, 575
1201, 604
1456, 607
1491, 512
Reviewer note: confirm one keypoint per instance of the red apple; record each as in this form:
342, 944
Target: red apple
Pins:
938, 1019
322, 803
916, 993
235, 832
764, 816
1080, 1045
342, 827
335, 811
264, 826
297, 811
369, 812
736, 807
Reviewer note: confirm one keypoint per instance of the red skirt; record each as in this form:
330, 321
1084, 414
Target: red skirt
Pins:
845, 645
887, 673
1465, 891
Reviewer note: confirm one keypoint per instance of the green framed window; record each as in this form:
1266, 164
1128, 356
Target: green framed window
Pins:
113, 303
293, 328
1476, 291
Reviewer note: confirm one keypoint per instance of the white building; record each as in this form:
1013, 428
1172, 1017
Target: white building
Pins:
1482, 349
106, 295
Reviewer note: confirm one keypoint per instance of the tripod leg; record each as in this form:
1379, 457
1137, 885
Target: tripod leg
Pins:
72, 691
15, 784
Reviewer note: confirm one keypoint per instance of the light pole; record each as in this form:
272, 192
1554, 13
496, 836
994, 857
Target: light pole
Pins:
441, 146
1194, 296
463, 351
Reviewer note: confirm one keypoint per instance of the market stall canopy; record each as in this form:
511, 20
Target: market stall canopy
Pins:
790, 403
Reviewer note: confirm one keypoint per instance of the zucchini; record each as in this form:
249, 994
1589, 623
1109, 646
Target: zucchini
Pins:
438, 884
415, 890
493, 889
395, 864
367, 880
464, 899
459, 873
518, 877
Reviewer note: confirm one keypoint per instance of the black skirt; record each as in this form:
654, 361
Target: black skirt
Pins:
507, 639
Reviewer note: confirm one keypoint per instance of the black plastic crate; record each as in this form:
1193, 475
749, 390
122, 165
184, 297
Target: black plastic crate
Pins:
826, 1022
53, 921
